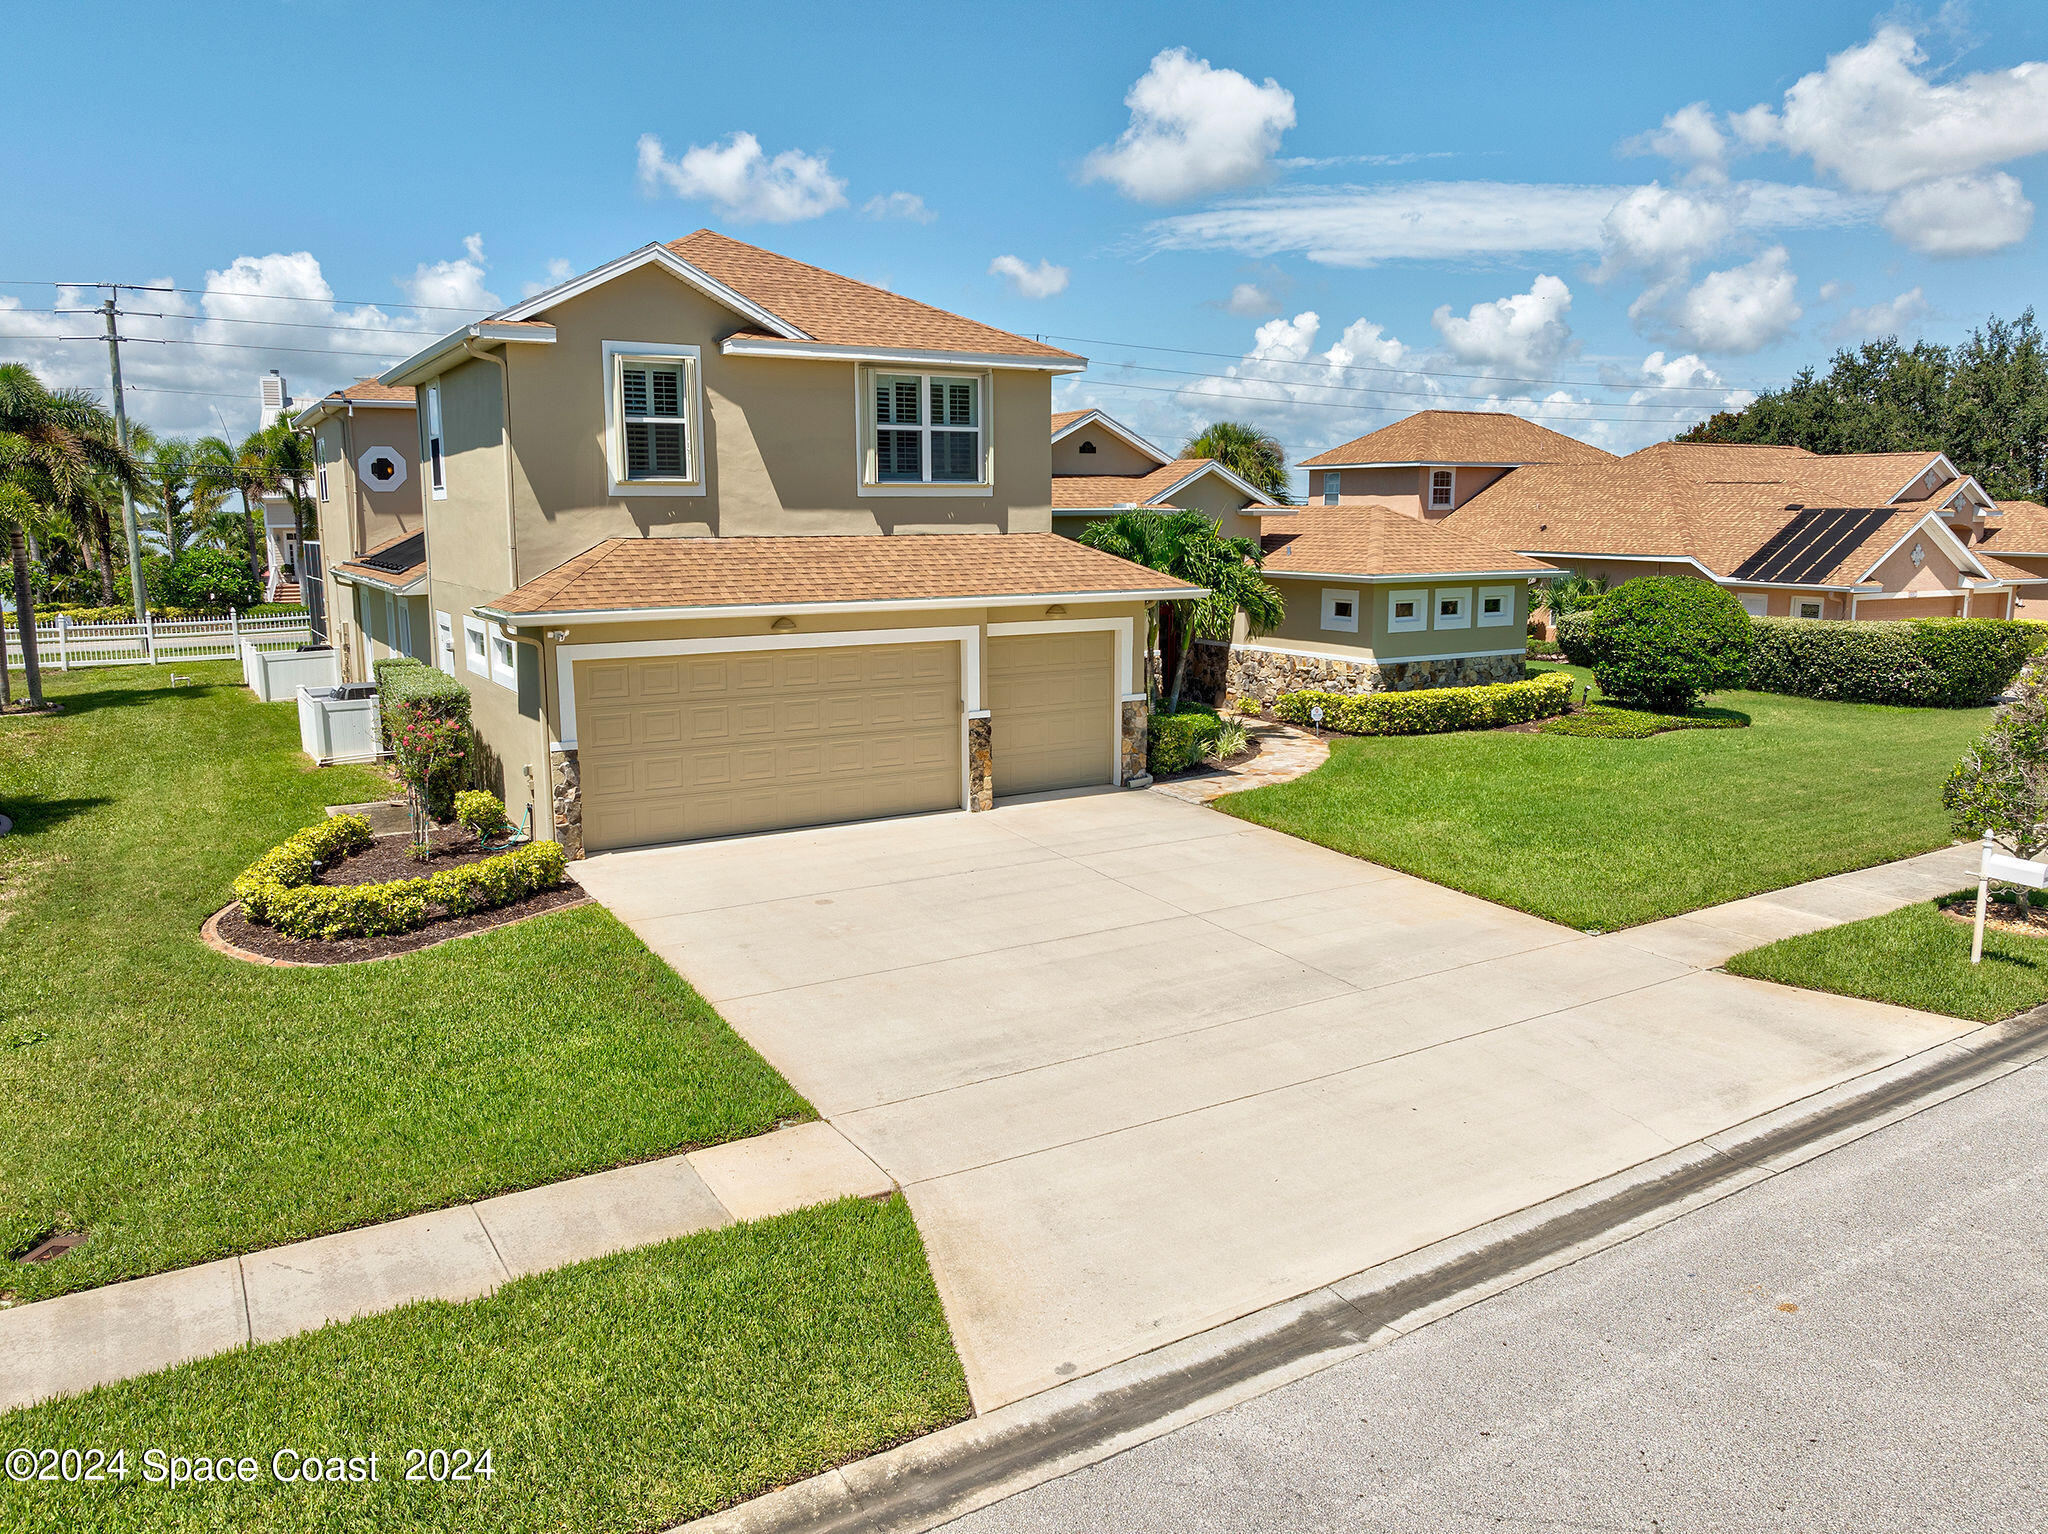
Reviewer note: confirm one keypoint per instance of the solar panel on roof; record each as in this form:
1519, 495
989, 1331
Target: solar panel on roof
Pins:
1810, 545
400, 557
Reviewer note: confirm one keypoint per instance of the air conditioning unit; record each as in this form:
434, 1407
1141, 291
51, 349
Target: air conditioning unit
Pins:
339, 724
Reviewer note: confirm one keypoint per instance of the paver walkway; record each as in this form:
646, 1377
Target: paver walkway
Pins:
1286, 752
1141, 1068
64, 1345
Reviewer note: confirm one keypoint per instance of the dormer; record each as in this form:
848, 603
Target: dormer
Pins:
1429, 464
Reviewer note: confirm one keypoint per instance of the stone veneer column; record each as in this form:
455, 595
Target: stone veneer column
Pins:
568, 801
1137, 723
981, 763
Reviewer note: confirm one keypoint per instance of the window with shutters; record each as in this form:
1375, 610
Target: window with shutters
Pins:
928, 429
651, 416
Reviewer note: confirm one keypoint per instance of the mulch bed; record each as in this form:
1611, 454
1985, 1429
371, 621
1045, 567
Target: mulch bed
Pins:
1226, 763
382, 861
2000, 916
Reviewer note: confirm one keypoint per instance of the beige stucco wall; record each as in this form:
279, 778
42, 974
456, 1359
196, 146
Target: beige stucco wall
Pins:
1405, 488
1112, 455
1303, 630
353, 518
1937, 571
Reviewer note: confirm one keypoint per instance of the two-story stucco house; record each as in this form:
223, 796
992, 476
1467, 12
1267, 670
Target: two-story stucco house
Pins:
1101, 467
722, 542
372, 520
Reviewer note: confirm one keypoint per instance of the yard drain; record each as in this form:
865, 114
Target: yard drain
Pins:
51, 1245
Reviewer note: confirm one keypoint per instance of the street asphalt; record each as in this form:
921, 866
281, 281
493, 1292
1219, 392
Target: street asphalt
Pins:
1857, 1345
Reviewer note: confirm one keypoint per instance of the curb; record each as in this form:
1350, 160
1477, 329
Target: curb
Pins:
956, 1470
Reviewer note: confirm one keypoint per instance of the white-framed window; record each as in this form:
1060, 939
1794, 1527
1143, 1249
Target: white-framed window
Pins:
476, 645
1443, 489
654, 404
1755, 603
1340, 610
926, 430
1806, 609
1333, 487
444, 642
437, 464
504, 658
1407, 611
1451, 609
1496, 607
320, 481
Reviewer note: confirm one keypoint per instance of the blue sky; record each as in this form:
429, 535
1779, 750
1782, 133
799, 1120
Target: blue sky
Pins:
1343, 215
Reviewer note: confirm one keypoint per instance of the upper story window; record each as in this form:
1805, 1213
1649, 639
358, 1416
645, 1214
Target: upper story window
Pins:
1443, 485
653, 434
1333, 483
321, 480
437, 469
928, 429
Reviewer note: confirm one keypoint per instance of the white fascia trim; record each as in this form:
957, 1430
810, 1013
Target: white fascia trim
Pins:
968, 637
826, 351
1411, 575
326, 408
1940, 458
655, 255
1656, 559
350, 578
1364, 653
426, 364
1109, 423
1413, 463
1231, 478
798, 609
1125, 630
1911, 596
1942, 534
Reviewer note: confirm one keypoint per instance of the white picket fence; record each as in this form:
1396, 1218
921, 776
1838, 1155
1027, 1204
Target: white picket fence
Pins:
66, 646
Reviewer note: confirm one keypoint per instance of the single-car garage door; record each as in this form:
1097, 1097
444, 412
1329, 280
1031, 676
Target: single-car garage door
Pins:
685, 746
1050, 698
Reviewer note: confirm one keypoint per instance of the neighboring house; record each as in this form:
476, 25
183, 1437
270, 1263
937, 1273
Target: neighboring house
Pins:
1101, 467
368, 497
722, 542
1431, 463
1379, 600
280, 523
2017, 538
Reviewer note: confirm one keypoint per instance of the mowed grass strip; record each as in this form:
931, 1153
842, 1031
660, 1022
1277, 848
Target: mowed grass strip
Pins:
1610, 833
619, 1395
180, 1106
1917, 956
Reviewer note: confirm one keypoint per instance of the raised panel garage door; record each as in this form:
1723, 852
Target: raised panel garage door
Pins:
1051, 700
683, 746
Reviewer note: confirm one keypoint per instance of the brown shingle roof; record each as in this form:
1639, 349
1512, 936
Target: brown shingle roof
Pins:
2021, 528
1461, 436
1371, 539
842, 312
387, 570
1842, 479
1097, 492
1066, 418
623, 574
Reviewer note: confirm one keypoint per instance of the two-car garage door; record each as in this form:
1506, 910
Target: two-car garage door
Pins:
677, 747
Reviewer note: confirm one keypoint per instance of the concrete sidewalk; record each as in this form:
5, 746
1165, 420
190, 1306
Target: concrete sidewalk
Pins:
65, 1345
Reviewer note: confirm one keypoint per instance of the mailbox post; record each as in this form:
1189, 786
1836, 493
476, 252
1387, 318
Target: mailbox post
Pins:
2007, 870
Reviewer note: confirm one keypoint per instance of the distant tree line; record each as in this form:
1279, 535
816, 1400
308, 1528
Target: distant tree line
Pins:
1983, 402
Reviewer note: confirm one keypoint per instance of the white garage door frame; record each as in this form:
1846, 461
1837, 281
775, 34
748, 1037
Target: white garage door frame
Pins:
1124, 630
968, 638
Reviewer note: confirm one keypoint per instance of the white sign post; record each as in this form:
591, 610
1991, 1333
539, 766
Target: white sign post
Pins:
2007, 870
1315, 714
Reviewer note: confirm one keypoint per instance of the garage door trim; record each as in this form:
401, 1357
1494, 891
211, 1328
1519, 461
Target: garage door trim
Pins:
1124, 630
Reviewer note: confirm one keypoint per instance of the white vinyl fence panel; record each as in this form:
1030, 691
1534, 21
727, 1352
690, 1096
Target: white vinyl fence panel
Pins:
66, 646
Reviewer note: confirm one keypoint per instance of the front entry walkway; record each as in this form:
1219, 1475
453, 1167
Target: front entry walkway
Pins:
1143, 1069
1286, 752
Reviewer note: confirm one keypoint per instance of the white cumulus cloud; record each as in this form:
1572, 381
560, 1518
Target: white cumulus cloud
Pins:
1250, 301
1661, 229
1522, 333
1028, 281
1960, 215
457, 284
1894, 316
904, 205
1689, 137
1194, 129
743, 180
1742, 309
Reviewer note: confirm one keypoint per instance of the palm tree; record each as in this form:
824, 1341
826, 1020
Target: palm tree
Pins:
53, 443
1188, 546
1252, 454
245, 470
289, 454
169, 495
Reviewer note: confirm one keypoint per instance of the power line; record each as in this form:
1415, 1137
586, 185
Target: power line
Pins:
239, 346
223, 319
282, 298
1538, 409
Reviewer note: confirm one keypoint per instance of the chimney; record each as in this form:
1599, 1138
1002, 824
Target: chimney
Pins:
275, 399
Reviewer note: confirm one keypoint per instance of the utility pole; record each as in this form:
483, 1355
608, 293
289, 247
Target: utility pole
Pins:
136, 589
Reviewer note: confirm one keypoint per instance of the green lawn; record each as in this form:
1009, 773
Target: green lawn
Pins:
755, 1356
1609, 833
181, 1106
1913, 957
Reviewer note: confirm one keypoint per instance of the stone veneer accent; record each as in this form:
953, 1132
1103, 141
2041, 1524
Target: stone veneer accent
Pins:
1254, 672
1137, 723
981, 763
568, 795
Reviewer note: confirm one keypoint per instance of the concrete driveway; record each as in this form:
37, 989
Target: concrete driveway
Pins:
1142, 1069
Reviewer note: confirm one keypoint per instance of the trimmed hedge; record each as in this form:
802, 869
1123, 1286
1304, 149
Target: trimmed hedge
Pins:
277, 890
1575, 636
1179, 741
1665, 641
1432, 710
1924, 662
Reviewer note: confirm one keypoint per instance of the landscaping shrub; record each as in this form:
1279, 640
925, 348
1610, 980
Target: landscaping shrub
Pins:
1543, 649
1598, 721
410, 693
290, 863
1664, 641
1432, 710
2001, 784
277, 890
207, 578
1924, 662
380, 671
1179, 741
1232, 739
482, 812
1575, 637
47, 612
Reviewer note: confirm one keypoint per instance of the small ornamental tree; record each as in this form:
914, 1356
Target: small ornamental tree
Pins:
1665, 641
428, 752
2001, 784
207, 580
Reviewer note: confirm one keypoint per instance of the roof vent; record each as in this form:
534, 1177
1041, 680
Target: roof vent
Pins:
1795, 506
1087, 447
